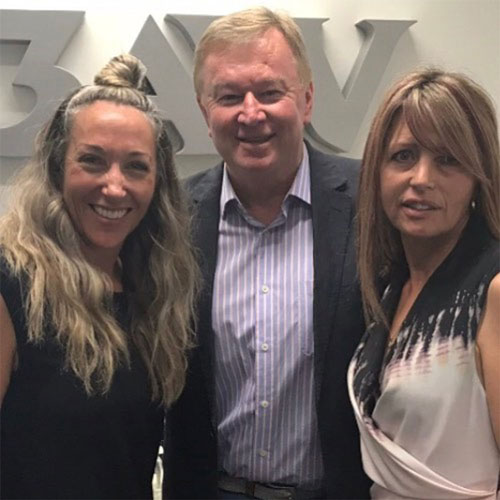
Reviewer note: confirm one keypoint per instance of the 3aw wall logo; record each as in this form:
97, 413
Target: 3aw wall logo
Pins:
338, 112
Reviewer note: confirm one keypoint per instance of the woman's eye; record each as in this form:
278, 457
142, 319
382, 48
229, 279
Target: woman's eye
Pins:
447, 160
138, 166
91, 161
88, 159
403, 156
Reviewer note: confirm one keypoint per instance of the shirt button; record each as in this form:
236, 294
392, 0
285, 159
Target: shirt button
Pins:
264, 404
263, 453
265, 289
264, 346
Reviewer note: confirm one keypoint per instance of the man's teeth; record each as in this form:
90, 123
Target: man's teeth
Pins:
108, 213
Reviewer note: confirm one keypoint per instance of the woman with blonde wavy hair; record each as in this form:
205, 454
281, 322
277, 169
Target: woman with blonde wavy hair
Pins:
97, 280
425, 380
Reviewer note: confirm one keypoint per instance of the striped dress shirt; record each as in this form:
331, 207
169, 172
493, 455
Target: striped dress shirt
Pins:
262, 319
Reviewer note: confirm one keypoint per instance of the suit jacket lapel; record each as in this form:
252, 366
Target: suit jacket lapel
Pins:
206, 198
331, 214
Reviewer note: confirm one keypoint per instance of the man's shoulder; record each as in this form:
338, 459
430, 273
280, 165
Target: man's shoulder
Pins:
333, 170
335, 161
200, 183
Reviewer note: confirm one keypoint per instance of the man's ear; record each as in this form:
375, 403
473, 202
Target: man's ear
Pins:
204, 112
202, 108
309, 95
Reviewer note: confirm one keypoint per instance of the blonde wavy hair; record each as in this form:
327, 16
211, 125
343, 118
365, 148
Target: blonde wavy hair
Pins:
443, 110
247, 25
39, 242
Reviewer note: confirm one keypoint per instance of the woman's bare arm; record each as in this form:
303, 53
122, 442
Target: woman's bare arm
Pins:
7, 348
488, 342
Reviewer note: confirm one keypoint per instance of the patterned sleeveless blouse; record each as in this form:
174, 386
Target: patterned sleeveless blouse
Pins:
420, 405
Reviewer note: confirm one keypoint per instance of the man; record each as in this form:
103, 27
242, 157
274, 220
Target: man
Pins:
265, 412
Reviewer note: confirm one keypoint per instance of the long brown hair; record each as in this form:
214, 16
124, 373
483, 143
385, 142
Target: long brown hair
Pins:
437, 106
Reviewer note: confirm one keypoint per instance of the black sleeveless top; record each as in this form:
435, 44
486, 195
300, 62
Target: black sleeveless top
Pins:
58, 442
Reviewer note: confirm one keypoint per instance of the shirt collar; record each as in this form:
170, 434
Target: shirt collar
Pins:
300, 188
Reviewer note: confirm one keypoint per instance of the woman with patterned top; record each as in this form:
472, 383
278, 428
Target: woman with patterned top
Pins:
425, 379
96, 289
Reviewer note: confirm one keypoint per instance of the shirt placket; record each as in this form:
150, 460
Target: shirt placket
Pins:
264, 354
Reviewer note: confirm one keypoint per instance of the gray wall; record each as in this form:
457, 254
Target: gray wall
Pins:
357, 48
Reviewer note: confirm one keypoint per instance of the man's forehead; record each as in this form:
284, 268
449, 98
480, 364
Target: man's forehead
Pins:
241, 44
257, 83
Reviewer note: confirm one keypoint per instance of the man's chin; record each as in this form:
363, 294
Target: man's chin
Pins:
254, 163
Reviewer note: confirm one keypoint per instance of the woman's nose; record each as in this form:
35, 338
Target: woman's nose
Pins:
423, 173
114, 182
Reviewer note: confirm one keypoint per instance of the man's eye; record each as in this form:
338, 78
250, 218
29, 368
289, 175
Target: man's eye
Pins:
271, 95
228, 99
403, 156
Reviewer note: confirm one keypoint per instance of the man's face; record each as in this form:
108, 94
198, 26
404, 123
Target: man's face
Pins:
255, 106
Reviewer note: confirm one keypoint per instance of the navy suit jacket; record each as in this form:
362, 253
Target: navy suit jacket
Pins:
191, 437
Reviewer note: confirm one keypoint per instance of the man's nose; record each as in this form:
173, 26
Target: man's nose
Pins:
251, 110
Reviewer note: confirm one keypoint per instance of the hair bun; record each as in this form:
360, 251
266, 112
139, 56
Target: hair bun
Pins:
124, 70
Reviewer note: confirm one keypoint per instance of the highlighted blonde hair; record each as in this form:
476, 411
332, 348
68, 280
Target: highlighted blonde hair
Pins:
39, 242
